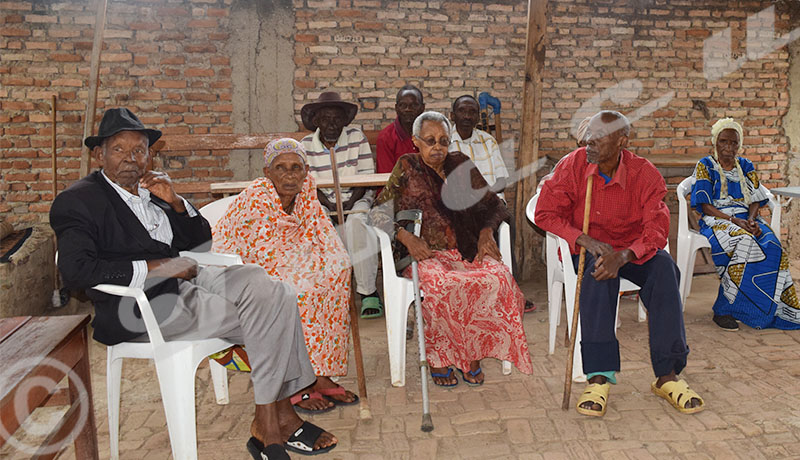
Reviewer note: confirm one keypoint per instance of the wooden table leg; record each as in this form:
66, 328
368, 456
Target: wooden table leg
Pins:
86, 441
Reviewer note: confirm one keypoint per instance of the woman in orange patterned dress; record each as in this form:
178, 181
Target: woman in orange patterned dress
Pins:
278, 223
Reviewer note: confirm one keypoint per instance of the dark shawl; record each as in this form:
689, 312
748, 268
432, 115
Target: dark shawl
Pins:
453, 211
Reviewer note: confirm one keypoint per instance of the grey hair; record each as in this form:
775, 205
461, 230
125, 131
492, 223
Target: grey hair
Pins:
430, 116
616, 121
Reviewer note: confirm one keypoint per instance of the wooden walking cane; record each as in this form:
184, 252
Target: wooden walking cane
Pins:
364, 412
577, 308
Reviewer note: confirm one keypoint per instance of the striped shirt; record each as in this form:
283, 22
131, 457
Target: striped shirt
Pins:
483, 150
152, 218
353, 156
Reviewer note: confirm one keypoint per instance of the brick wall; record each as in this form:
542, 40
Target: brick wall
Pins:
166, 60
163, 59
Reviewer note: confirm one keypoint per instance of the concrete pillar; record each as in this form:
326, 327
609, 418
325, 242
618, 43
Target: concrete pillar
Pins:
791, 125
261, 48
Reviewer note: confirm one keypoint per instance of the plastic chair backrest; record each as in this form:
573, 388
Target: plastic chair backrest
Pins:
214, 211
530, 209
683, 189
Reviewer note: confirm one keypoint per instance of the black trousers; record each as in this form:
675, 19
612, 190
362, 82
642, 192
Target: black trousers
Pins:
658, 278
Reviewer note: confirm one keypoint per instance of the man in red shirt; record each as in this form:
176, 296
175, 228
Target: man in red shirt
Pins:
394, 140
628, 228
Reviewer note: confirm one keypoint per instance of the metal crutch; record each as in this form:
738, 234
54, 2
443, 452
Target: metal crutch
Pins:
415, 215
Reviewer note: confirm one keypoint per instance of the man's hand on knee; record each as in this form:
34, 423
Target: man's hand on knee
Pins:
607, 266
178, 267
596, 248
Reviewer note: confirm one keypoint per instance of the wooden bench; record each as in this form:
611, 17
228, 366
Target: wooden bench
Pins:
216, 142
361, 180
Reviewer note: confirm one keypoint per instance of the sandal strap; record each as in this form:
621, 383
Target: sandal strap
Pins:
443, 376
476, 372
336, 391
680, 392
305, 437
596, 393
305, 397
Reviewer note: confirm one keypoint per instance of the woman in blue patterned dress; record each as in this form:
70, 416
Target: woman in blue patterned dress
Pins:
756, 287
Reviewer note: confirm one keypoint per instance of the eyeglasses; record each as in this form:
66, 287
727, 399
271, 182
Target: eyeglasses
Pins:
430, 142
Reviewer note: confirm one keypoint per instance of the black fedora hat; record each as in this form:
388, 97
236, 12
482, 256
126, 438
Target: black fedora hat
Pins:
116, 120
326, 99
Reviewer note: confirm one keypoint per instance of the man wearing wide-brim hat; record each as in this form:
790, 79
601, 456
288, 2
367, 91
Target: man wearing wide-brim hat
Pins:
328, 117
124, 224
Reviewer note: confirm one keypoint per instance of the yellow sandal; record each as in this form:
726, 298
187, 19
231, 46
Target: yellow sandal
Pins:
596, 393
678, 394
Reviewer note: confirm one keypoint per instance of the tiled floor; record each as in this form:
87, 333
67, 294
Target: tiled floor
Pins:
749, 380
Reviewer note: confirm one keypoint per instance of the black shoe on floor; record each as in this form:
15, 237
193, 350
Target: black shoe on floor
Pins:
726, 322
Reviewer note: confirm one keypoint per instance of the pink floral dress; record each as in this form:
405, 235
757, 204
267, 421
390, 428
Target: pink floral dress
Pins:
302, 249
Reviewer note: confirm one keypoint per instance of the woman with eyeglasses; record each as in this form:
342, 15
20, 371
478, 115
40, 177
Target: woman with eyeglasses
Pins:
277, 222
472, 307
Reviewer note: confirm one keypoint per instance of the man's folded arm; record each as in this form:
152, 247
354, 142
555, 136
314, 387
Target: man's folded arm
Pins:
191, 231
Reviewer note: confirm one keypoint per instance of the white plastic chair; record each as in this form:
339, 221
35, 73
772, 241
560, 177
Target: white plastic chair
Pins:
561, 275
398, 294
214, 211
176, 363
690, 241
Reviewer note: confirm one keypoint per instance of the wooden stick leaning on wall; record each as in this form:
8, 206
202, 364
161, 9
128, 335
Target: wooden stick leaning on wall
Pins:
53, 164
577, 308
364, 411
94, 83
54, 152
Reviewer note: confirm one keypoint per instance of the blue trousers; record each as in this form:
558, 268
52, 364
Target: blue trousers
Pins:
658, 278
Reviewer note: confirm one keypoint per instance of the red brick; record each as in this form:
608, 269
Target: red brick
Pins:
197, 72
23, 197
202, 23
306, 38
200, 48
169, 83
173, 60
20, 81
216, 12
40, 207
14, 32
59, 57
150, 25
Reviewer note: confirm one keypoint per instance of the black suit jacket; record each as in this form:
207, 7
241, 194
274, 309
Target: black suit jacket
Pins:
99, 237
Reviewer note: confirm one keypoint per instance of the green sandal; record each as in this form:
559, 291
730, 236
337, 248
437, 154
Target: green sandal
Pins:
371, 303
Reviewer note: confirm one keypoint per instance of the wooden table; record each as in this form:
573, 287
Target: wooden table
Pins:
359, 180
38, 352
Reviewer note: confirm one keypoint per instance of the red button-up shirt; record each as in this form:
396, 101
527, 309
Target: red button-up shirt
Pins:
393, 142
628, 212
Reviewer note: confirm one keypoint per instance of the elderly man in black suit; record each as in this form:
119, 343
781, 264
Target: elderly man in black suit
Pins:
124, 224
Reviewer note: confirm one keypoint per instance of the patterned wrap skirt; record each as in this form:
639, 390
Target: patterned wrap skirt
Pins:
471, 311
